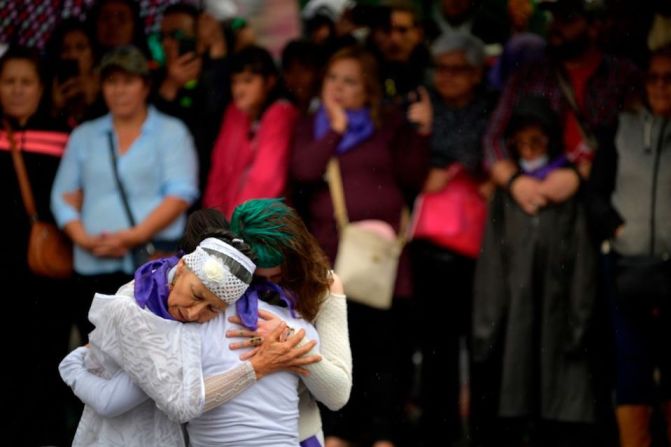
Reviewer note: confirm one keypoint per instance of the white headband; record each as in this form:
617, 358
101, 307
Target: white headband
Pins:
211, 262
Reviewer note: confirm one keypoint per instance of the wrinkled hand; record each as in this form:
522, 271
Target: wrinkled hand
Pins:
526, 191
560, 185
276, 355
266, 324
420, 113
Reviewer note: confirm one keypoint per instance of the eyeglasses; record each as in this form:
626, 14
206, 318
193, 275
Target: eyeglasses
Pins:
452, 70
654, 78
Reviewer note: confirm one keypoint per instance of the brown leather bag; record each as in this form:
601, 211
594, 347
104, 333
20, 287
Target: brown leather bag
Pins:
49, 249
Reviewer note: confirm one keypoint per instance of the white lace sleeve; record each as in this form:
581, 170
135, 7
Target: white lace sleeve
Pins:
161, 356
108, 397
330, 380
221, 388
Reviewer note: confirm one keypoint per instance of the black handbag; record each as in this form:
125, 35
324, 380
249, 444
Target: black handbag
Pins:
150, 250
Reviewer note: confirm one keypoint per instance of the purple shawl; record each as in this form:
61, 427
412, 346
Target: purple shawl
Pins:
152, 288
359, 127
247, 307
543, 171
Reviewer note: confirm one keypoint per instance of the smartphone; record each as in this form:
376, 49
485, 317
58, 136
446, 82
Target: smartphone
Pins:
187, 45
66, 69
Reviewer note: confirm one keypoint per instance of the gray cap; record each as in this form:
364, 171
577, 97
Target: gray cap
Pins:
128, 59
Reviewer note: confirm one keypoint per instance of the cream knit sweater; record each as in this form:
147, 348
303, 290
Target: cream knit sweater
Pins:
330, 380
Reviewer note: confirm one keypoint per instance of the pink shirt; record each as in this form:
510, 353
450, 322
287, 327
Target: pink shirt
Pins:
250, 166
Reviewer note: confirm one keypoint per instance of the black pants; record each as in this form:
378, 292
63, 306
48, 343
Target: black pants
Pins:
35, 334
372, 410
443, 287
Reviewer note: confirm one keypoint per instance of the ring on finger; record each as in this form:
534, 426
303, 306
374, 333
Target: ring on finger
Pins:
255, 341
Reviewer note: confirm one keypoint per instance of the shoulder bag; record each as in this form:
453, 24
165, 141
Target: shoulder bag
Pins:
49, 249
453, 218
367, 259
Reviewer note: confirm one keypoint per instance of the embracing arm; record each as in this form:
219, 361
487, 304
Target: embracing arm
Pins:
107, 397
330, 381
272, 355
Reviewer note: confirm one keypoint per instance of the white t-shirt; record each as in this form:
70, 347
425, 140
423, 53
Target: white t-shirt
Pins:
263, 415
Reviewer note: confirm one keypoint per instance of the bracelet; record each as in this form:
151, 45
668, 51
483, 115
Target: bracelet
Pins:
512, 179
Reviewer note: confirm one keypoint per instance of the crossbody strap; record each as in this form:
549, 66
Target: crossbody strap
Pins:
115, 170
655, 176
22, 175
569, 95
334, 179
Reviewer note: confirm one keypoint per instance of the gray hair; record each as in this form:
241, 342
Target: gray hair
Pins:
472, 47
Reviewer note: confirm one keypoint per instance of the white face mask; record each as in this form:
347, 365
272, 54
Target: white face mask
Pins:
532, 165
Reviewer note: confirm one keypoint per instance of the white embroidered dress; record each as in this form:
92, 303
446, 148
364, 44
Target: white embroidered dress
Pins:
162, 356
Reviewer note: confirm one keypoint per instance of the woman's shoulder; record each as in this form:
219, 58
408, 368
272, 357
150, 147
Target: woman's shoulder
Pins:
90, 127
169, 125
281, 109
337, 287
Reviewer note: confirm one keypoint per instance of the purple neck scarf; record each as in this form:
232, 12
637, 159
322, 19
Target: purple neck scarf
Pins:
247, 306
312, 441
543, 171
152, 288
359, 127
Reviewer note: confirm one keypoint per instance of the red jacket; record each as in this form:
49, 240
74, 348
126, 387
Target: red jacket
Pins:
250, 165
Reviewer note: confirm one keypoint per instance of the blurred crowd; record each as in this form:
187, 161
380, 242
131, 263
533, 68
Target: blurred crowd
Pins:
554, 335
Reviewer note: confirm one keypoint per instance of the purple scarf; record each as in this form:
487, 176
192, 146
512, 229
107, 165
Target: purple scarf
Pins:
543, 171
247, 306
359, 127
312, 441
151, 286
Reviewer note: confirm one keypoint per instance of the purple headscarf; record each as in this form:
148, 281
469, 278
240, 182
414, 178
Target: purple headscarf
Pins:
152, 287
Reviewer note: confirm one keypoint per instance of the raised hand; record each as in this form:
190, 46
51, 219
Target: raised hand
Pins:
420, 112
336, 114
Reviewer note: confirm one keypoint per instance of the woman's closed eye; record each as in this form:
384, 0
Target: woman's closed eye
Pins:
210, 307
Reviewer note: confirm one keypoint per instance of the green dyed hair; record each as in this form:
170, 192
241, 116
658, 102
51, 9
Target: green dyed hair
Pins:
259, 222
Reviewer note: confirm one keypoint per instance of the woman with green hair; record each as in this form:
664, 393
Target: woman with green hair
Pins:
288, 255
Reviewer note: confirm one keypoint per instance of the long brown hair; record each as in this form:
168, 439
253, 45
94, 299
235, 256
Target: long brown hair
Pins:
305, 270
369, 71
279, 236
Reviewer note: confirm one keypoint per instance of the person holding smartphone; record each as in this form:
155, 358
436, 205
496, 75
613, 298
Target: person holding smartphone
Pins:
75, 87
193, 84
